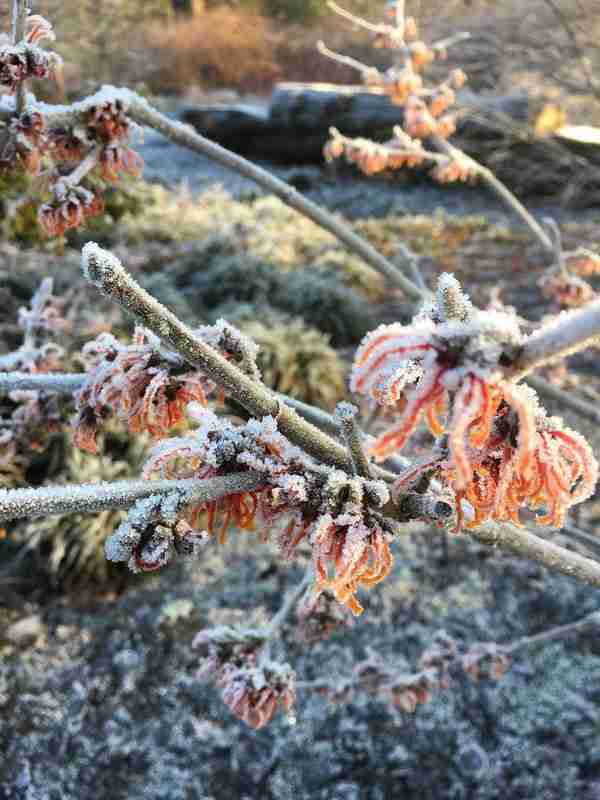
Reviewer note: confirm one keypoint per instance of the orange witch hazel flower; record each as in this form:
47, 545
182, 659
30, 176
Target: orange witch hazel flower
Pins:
339, 516
496, 449
352, 539
143, 383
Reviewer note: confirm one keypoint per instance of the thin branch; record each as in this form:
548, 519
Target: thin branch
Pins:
107, 273
290, 601
94, 497
81, 170
581, 537
559, 254
500, 189
577, 50
138, 109
566, 399
362, 23
347, 61
450, 41
180, 134
571, 332
590, 621
523, 543
20, 12
66, 383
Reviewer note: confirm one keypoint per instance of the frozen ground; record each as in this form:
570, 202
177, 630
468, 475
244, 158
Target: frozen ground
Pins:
353, 195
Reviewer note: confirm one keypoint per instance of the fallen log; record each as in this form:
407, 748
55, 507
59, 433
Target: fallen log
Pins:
496, 130
295, 126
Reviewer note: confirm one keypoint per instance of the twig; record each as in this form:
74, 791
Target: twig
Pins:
81, 170
347, 61
93, 497
557, 240
107, 273
450, 41
290, 601
581, 537
571, 332
145, 115
522, 542
138, 109
362, 23
568, 400
500, 189
66, 383
20, 11
589, 621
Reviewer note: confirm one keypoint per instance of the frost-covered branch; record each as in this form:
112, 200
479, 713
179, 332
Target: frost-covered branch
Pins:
60, 383
522, 542
182, 135
138, 110
570, 332
107, 273
90, 498
20, 11
500, 189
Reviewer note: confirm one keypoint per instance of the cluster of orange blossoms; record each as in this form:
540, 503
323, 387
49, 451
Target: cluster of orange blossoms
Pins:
424, 109
142, 383
353, 541
72, 161
26, 59
253, 689
337, 514
496, 447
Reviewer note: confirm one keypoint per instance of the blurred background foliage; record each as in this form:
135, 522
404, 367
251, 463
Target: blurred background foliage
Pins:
186, 46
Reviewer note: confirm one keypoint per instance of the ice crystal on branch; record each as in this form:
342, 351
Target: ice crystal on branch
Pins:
499, 450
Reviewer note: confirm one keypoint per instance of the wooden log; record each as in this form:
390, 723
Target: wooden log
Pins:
296, 124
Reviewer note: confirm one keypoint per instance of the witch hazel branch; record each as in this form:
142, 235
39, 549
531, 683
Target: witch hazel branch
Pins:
424, 110
329, 494
495, 452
